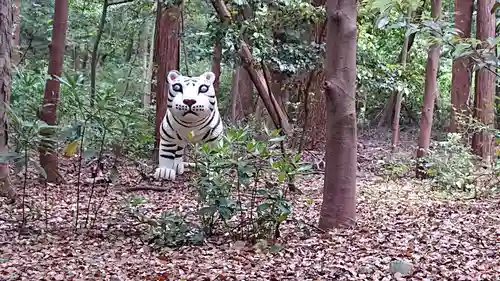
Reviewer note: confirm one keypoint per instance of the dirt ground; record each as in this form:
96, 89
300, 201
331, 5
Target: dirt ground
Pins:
397, 220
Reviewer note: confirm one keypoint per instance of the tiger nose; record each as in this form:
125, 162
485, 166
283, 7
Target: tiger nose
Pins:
189, 102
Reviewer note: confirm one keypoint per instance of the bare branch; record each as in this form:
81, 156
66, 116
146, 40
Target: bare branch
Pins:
120, 2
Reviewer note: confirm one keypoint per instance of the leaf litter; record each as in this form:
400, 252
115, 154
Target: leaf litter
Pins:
402, 232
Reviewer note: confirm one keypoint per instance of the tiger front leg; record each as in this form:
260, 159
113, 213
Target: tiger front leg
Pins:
169, 161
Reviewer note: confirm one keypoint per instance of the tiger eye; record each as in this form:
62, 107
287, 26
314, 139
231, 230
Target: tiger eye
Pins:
177, 87
203, 89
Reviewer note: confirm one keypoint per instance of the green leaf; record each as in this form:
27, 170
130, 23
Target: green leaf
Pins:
275, 248
382, 22
304, 168
277, 139
6, 157
206, 211
495, 7
281, 176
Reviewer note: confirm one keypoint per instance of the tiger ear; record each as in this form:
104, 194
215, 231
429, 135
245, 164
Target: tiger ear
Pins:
172, 76
209, 76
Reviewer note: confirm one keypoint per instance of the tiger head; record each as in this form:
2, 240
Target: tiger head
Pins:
191, 99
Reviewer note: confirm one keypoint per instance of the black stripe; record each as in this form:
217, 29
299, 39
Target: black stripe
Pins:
170, 94
170, 100
212, 139
165, 132
173, 151
211, 131
208, 123
169, 124
167, 156
216, 124
212, 103
178, 156
206, 135
169, 144
180, 123
179, 137
188, 124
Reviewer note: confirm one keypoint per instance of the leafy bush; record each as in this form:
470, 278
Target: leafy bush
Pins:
243, 184
451, 163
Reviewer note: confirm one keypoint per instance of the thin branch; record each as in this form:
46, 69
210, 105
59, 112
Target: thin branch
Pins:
120, 2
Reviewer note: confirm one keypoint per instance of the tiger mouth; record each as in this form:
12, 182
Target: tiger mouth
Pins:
188, 112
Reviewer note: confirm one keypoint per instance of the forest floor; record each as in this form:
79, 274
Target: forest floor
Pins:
398, 219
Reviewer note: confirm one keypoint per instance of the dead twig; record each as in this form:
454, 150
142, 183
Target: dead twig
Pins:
146, 187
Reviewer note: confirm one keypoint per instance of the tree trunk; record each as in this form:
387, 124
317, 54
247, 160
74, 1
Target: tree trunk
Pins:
339, 192
315, 119
130, 49
166, 58
216, 61
430, 91
461, 74
485, 84
241, 95
147, 55
418, 19
95, 49
16, 36
399, 94
278, 117
5, 83
48, 159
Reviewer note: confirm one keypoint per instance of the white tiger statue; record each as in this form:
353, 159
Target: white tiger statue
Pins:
192, 116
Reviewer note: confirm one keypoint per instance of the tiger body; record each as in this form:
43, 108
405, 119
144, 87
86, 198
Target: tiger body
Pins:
192, 117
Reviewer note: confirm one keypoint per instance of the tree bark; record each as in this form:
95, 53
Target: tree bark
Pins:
16, 36
313, 110
5, 83
339, 192
147, 53
461, 74
241, 94
48, 159
430, 92
216, 61
166, 58
485, 84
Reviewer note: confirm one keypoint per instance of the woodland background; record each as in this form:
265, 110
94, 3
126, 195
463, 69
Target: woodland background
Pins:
360, 143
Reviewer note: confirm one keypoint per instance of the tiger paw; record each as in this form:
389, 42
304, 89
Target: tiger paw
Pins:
165, 174
179, 167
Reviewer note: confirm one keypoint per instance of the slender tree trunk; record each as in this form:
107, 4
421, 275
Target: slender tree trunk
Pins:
145, 65
48, 159
149, 75
399, 94
430, 91
95, 49
485, 84
130, 49
75, 57
339, 193
167, 50
16, 37
461, 74
5, 83
216, 69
